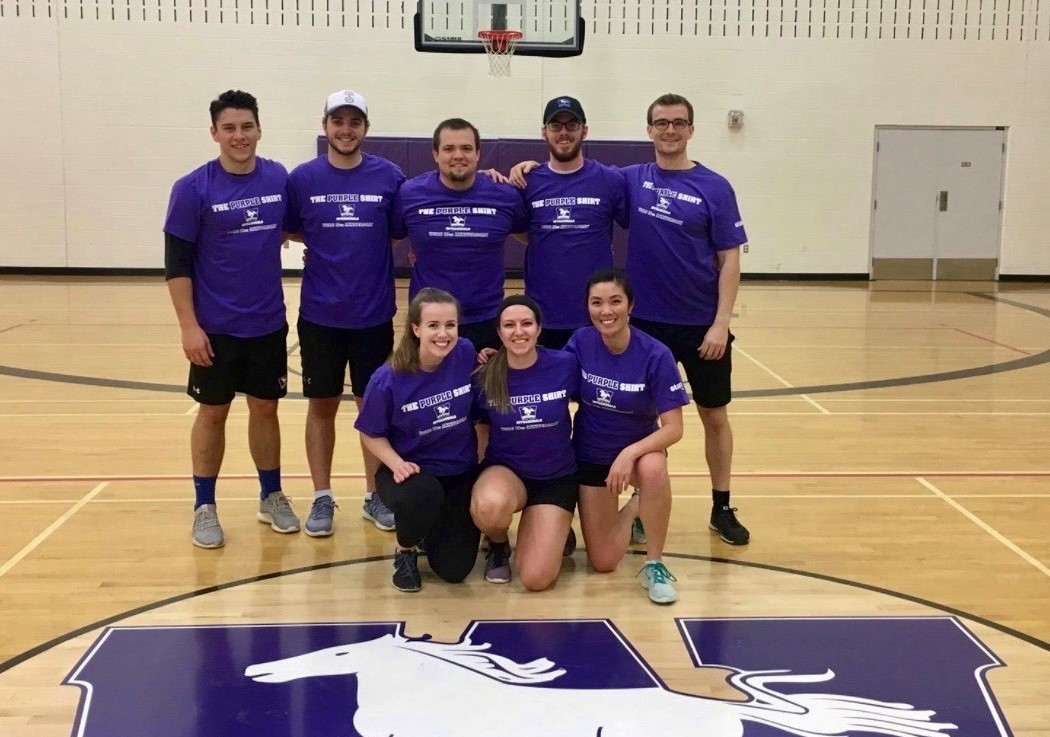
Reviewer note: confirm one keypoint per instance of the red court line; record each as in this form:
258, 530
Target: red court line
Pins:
677, 474
989, 340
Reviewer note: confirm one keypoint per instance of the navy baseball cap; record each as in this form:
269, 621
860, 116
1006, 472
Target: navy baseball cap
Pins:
564, 105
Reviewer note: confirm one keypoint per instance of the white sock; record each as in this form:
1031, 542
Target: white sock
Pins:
322, 492
368, 496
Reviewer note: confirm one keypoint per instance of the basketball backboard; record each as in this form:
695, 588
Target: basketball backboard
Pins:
548, 27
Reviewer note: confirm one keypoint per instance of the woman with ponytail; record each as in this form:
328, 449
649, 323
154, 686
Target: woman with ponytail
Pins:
416, 418
529, 465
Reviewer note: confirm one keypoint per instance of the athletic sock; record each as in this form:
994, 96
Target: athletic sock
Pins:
269, 482
322, 492
720, 498
204, 489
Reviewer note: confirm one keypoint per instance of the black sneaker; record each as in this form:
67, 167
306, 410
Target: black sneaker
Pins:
725, 523
406, 571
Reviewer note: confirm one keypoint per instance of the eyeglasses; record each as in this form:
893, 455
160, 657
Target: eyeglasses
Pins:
556, 126
680, 124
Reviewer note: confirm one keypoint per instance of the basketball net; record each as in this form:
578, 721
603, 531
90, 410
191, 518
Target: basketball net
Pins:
499, 47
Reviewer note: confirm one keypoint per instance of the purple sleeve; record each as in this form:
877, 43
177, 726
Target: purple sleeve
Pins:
398, 227
668, 391
727, 228
520, 212
292, 221
374, 417
479, 410
184, 211
618, 186
576, 379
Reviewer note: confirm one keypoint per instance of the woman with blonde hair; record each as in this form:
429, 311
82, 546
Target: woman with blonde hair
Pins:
416, 418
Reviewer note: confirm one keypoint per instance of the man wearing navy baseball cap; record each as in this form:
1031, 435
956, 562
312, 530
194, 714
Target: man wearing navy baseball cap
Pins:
563, 104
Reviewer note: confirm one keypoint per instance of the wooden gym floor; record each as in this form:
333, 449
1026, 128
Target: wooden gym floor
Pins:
891, 459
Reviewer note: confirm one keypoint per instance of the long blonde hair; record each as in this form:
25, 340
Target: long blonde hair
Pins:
492, 376
405, 358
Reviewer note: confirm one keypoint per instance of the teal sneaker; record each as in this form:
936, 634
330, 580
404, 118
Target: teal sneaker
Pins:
657, 579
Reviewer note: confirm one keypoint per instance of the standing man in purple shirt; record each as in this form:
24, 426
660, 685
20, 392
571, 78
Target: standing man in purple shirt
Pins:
341, 204
458, 222
222, 256
573, 203
683, 257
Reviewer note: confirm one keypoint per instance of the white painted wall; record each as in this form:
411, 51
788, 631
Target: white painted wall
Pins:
99, 116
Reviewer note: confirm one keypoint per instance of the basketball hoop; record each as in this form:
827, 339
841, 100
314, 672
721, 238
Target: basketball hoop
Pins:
499, 47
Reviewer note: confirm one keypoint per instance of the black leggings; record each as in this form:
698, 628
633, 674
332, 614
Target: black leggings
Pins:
436, 508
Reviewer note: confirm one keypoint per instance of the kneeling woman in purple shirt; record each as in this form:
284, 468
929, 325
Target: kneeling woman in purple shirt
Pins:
529, 465
416, 418
630, 413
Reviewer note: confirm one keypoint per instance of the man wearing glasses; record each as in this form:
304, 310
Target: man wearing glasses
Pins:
572, 204
683, 256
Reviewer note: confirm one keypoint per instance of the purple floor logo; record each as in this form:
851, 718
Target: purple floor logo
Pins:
802, 677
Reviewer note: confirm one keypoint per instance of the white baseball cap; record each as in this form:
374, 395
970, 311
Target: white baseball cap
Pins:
344, 98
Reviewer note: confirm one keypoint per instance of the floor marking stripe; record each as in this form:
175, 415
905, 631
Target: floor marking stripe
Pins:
39, 539
674, 474
736, 495
986, 527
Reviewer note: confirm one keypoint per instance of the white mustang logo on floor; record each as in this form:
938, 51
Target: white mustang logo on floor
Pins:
460, 688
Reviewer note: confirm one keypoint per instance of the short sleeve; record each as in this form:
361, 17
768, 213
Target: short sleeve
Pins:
376, 408
184, 211
666, 382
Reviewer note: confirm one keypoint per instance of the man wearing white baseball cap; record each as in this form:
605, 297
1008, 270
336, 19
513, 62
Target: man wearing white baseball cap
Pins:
340, 204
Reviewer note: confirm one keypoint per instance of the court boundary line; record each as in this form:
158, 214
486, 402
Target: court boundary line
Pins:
127, 614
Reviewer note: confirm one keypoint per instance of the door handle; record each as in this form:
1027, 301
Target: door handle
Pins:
942, 200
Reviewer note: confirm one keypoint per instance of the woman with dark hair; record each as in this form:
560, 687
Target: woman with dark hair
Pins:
630, 413
416, 418
529, 465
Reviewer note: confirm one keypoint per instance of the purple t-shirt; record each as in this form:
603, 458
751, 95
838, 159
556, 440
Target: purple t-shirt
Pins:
426, 415
680, 220
534, 439
458, 237
344, 216
570, 236
621, 396
236, 221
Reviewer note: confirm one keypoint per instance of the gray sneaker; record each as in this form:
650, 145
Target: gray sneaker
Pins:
276, 511
379, 513
207, 533
319, 523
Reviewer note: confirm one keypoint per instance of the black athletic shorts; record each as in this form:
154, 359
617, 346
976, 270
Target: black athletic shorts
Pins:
555, 338
709, 381
257, 367
563, 491
482, 334
326, 351
593, 474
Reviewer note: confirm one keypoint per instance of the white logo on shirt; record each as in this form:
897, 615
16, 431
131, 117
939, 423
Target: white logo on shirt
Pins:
528, 414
